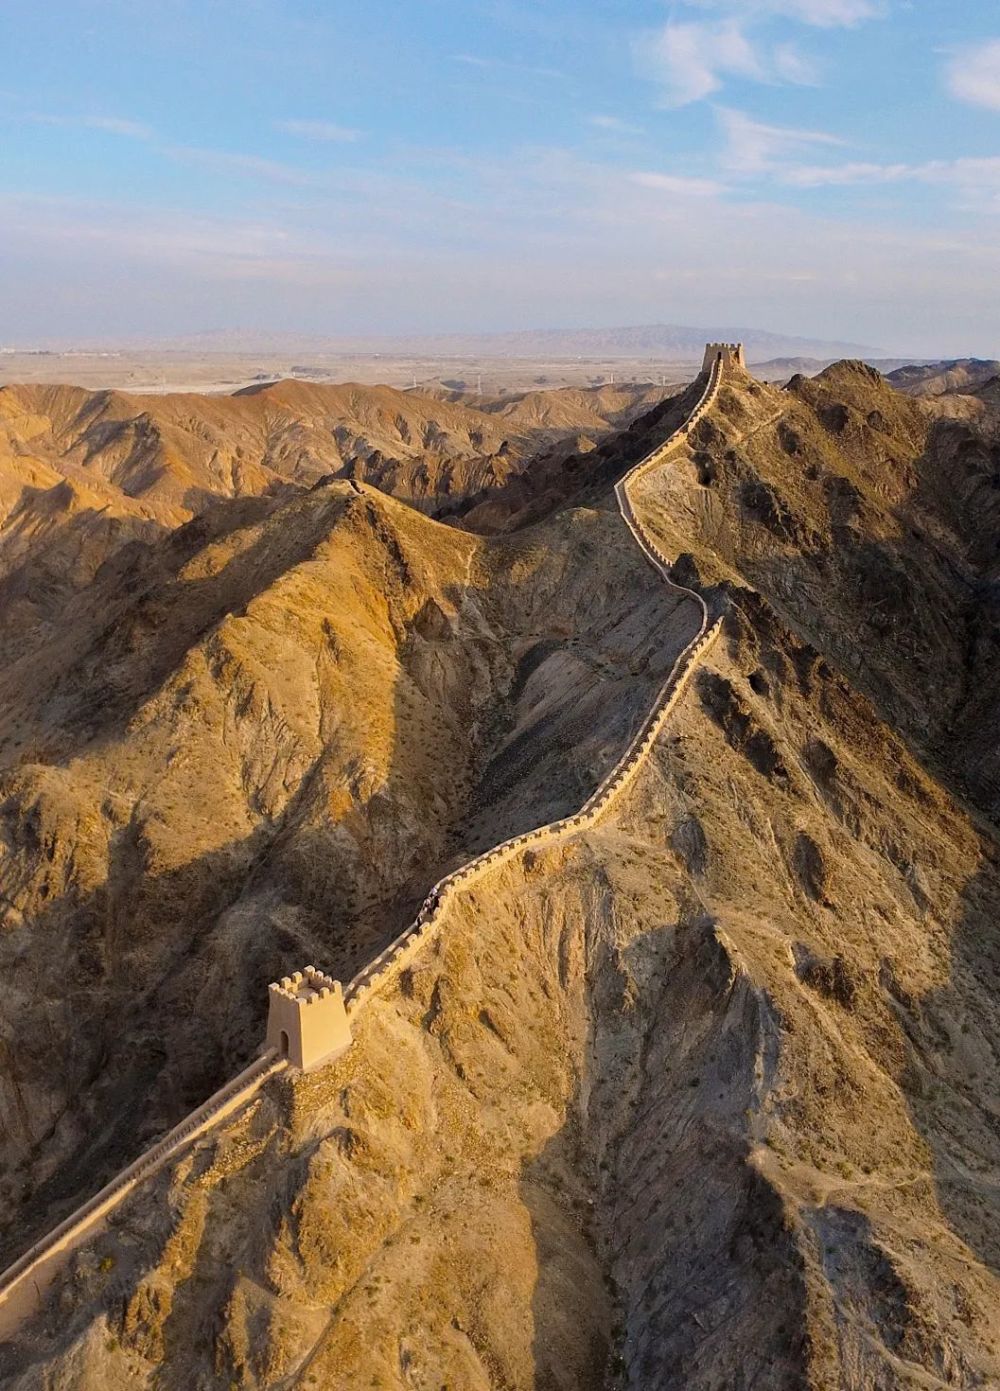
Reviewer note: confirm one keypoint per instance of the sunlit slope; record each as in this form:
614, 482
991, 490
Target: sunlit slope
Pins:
872, 527
83, 473
702, 1096
261, 741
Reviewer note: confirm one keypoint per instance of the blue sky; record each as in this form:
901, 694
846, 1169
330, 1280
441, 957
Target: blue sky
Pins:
823, 167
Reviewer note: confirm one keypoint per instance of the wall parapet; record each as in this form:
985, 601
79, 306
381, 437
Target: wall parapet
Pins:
393, 960
17, 1296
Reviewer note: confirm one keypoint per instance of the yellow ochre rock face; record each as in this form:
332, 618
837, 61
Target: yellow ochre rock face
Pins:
698, 1096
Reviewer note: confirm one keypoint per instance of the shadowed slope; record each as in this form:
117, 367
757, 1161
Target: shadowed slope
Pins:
83, 473
264, 739
701, 1098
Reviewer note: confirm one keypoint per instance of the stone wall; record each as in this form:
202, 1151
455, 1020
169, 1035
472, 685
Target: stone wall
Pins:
23, 1283
386, 967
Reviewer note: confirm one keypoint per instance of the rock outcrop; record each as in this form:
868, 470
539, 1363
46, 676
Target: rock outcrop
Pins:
254, 748
701, 1097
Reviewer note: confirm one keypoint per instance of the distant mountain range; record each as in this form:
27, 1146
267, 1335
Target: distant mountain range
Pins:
662, 342
964, 375
780, 369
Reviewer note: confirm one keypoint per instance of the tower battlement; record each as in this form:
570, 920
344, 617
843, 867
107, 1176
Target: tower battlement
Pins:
306, 1019
731, 353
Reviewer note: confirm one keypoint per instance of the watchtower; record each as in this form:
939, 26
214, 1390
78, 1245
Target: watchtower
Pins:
731, 353
306, 1019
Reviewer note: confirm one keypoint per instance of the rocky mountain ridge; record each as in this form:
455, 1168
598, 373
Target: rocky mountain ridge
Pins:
943, 378
702, 1098
84, 473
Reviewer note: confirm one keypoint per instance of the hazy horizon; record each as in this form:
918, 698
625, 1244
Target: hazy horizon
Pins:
527, 343
825, 169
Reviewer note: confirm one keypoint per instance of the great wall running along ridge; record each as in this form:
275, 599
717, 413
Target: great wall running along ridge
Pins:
309, 1013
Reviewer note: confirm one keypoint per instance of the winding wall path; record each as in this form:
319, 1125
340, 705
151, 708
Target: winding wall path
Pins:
23, 1284
398, 954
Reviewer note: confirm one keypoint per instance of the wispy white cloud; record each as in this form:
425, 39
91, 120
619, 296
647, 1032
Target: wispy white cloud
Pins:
474, 60
969, 171
973, 75
677, 185
795, 67
822, 14
774, 155
241, 165
754, 147
115, 126
319, 130
111, 125
691, 60
170, 237
975, 180
614, 124
839, 175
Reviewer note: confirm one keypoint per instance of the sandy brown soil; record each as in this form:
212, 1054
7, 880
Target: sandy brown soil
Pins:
257, 740
83, 474
705, 1098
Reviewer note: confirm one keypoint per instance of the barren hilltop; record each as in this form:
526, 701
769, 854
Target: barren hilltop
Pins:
702, 1096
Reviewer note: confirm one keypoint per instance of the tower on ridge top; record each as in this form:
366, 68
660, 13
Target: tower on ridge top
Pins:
306, 1019
731, 353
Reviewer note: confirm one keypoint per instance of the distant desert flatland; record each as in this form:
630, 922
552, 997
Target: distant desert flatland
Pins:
497, 362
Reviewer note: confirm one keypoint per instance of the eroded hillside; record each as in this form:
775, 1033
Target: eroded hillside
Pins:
944, 378
873, 527
263, 740
702, 1098
83, 473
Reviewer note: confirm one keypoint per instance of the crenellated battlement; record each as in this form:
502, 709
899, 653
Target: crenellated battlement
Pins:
306, 1018
730, 354
304, 987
